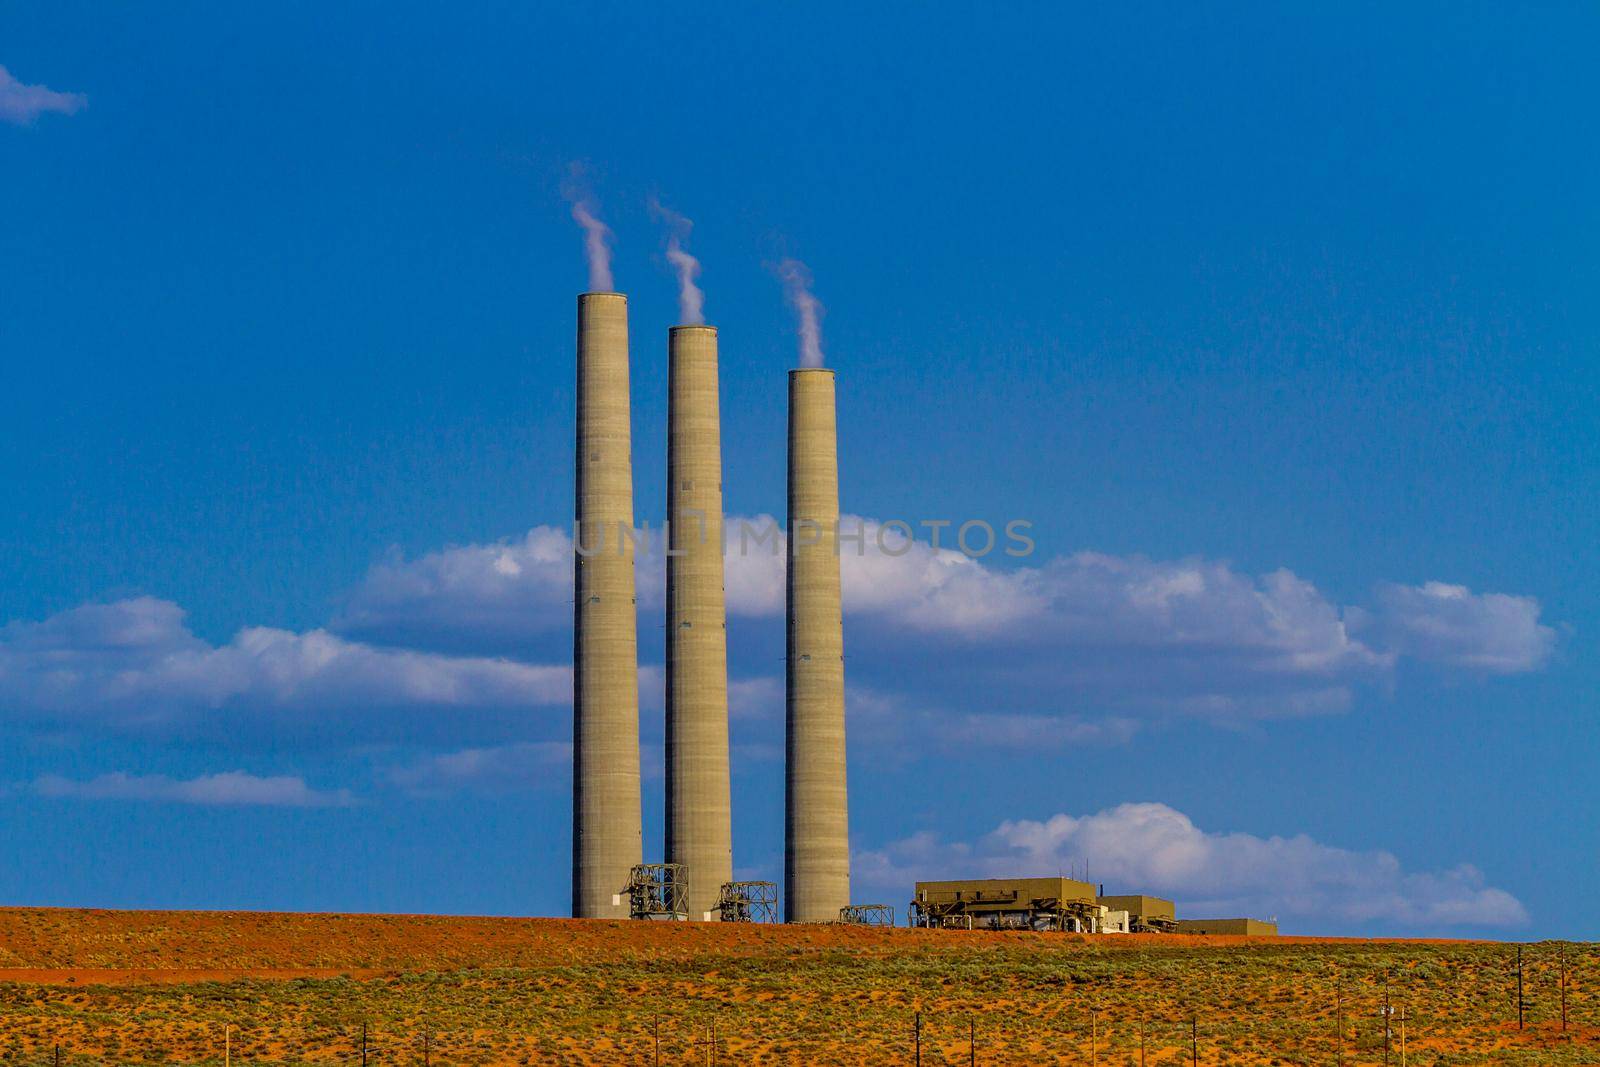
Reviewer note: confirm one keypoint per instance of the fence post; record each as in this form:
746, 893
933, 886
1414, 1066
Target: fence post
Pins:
363, 1044
916, 1035
1194, 1039
227, 1046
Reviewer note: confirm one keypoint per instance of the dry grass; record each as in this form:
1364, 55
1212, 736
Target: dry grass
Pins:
148, 987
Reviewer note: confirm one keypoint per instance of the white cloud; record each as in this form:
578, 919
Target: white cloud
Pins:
1451, 625
21, 104
469, 596
1080, 646
228, 789
1153, 848
134, 661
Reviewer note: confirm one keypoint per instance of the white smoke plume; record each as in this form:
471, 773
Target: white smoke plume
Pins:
796, 278
691, 298
596, 234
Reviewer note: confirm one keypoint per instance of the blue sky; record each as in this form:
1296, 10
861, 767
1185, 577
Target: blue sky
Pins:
1277, 324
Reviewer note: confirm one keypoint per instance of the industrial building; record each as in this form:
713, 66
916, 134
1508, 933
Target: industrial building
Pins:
1237, 927
1146, 915
1009, 904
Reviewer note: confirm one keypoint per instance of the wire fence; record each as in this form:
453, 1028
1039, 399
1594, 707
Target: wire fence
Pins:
1527, 1007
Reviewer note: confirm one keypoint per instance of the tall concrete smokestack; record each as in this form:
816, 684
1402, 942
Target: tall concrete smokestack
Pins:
699, 821
606, 834
816, 856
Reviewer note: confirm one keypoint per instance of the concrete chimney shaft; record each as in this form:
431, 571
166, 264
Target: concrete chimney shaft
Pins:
699, 820
606, 834
816, 823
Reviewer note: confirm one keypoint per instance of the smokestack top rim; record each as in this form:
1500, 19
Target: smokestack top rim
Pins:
809, 370
591, 294
691, 326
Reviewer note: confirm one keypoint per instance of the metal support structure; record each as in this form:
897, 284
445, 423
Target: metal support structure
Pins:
867, 914
658, 891
748, 902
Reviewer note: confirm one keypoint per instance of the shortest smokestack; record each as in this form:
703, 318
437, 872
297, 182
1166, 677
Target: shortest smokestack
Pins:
817, 823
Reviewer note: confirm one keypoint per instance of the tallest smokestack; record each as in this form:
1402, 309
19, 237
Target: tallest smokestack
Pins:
606, 835
817, 826
699, 832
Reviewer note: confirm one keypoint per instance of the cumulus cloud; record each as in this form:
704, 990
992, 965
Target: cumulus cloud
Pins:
1153, 848
1119, 635
228, 789
1449, 624
22, 104
497, 597
134, 662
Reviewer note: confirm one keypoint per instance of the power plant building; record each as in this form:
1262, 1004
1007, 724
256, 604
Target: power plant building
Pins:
1009, 904
1235, 927
1146, 914
606, 831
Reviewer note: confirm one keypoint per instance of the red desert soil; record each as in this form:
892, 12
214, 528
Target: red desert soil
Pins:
211, 988
61, 945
